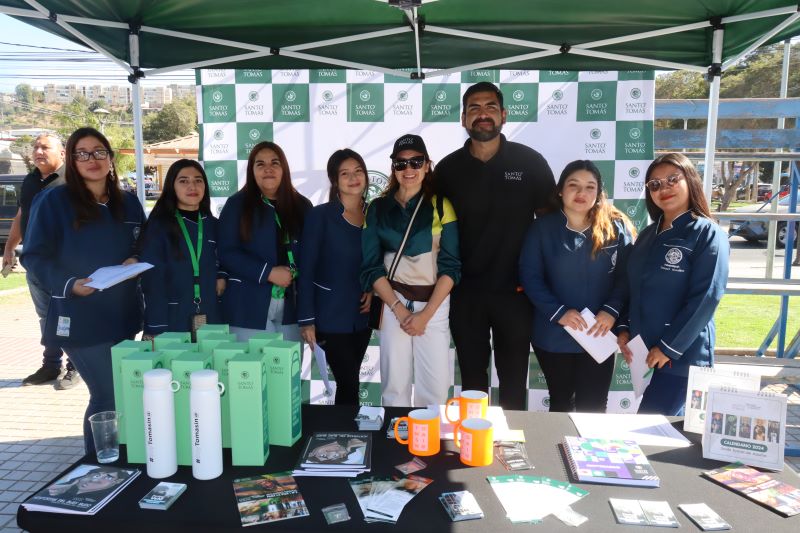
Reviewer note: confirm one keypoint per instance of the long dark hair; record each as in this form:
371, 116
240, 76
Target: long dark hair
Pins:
335, 161
602, 214
81, 198
698, 204
167, 204
427, 182
289, 205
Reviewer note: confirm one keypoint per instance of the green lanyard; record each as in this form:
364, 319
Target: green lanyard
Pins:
279, 292
195, 256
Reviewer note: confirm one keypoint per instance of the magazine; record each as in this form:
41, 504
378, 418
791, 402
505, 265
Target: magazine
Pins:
84, 490
615, 462
268, 498
781, 497
342, 454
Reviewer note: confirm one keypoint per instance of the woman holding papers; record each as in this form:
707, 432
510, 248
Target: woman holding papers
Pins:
676, 276
332, 308
574, 259
75, 229
259, 232
415, 328
180, 241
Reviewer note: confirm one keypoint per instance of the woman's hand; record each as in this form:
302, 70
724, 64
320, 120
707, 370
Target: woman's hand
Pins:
131, 261
604, 323
79, 288
402, 313
622, 341
280, 276
366, 302
656, 358
574, 320
415, 323
309, 334
148, 337
221, 286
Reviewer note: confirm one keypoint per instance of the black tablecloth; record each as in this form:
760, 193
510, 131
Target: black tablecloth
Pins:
211, 506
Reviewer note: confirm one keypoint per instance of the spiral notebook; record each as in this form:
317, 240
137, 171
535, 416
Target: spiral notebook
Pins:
611, 462
700, 379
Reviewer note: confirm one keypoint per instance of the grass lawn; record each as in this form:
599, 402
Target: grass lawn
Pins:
744, 320
14, 280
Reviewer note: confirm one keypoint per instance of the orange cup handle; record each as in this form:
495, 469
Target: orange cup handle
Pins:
451, 401
456, 440
397, 434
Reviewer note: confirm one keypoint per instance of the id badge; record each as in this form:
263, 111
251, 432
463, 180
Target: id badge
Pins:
198, 320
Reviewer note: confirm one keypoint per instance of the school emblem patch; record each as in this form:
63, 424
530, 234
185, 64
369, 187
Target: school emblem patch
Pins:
673, 256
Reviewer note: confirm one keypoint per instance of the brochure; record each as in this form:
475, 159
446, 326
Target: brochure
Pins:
704, 517
268, 498
391, 503
781, 497
461, 505
364, 490
529, 499
612, 462
643, 513
641, 374
162, 496
646, 430
700, 379
107, 277
600, 348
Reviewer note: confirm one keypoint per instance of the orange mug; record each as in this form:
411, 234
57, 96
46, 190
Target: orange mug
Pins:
471, 404
423, 431
476, 442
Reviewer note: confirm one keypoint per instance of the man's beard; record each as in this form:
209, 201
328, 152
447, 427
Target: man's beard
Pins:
482, 135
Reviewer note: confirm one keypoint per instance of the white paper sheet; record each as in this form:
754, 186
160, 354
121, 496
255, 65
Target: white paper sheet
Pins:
646, 430
600, 348
106, 277
640, 373
322, 365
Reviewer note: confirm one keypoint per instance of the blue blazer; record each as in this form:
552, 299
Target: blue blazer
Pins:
58, 255
676, 279
328, 289
558, 273
247, 264
168, 288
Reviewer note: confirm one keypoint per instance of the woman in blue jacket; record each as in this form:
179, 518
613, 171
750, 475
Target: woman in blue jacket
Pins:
75, 229
332, 309
180, 241
259, 232
677, 273
574, 258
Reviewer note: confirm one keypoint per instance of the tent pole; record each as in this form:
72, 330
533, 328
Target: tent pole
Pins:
133, 40
715, 76
764, 38
416, 40
578, 51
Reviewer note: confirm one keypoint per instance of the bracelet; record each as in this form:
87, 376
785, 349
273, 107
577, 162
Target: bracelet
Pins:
391, 307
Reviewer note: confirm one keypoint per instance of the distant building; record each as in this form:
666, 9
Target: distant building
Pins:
116, 95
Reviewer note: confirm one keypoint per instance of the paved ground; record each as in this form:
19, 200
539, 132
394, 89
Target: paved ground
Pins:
41, 428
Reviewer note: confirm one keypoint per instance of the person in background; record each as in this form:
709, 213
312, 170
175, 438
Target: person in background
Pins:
74, 230
180, 241
574, 258
332, 308
48, 158
259, 244
677, 272
415, 330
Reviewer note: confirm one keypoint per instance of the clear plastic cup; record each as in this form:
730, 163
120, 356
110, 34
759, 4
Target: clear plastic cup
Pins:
106, 435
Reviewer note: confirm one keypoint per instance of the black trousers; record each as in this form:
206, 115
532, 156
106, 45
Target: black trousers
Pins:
576, 381
344, 352
474, 314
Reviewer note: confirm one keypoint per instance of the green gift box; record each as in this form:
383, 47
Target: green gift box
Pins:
211, 329
212, 340
247, 389
182, 367
168, 337
118, 351
259, 340
133, 368
223, 353
174, 349
283, 391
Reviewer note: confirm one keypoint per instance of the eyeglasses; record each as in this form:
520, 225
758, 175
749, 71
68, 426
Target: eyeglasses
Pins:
670, 181
416, 163
97, 155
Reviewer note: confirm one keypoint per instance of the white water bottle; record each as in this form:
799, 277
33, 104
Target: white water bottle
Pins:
159, 423
206, 420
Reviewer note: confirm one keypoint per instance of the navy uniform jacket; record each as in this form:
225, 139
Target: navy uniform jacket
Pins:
58, 255
676, 279
328, 289
169, 287
245, 302
558, 274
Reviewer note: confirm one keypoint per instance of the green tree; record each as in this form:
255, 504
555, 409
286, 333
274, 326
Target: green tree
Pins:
24, 93
24, 147
175, 119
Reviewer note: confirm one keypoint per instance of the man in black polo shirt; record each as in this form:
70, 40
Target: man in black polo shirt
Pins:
495, 186
48, 157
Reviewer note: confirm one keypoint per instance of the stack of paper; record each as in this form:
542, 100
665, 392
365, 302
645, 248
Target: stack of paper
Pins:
107, 277
600, 348
335, 454
370, 418
646, 430
529, 499
382, 500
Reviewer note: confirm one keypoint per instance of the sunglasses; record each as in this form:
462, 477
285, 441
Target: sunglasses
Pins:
670, 181
416, 163
97, 155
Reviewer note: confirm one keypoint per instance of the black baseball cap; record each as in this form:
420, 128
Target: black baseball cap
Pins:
409, 141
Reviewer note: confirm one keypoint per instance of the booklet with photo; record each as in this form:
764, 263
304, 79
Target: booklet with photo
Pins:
700, 379
392, 502
162, 496
704, 517
367, 488
337, 451
613, 462
268, 498
781, 497
461, 505
745, 426
83, 490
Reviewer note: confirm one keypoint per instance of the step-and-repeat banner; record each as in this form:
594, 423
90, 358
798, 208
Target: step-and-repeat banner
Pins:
605, 116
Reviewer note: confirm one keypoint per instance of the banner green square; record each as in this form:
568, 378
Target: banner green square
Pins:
621, 379
365, 102
475, 76
521, 101
636, 211
535, 375
328, 75
290, 102
219, 103
222, 178
369, 394
606, 169
597, 101
558, 76
253, 75
441, 103
250, 134
636, 75
634, 139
